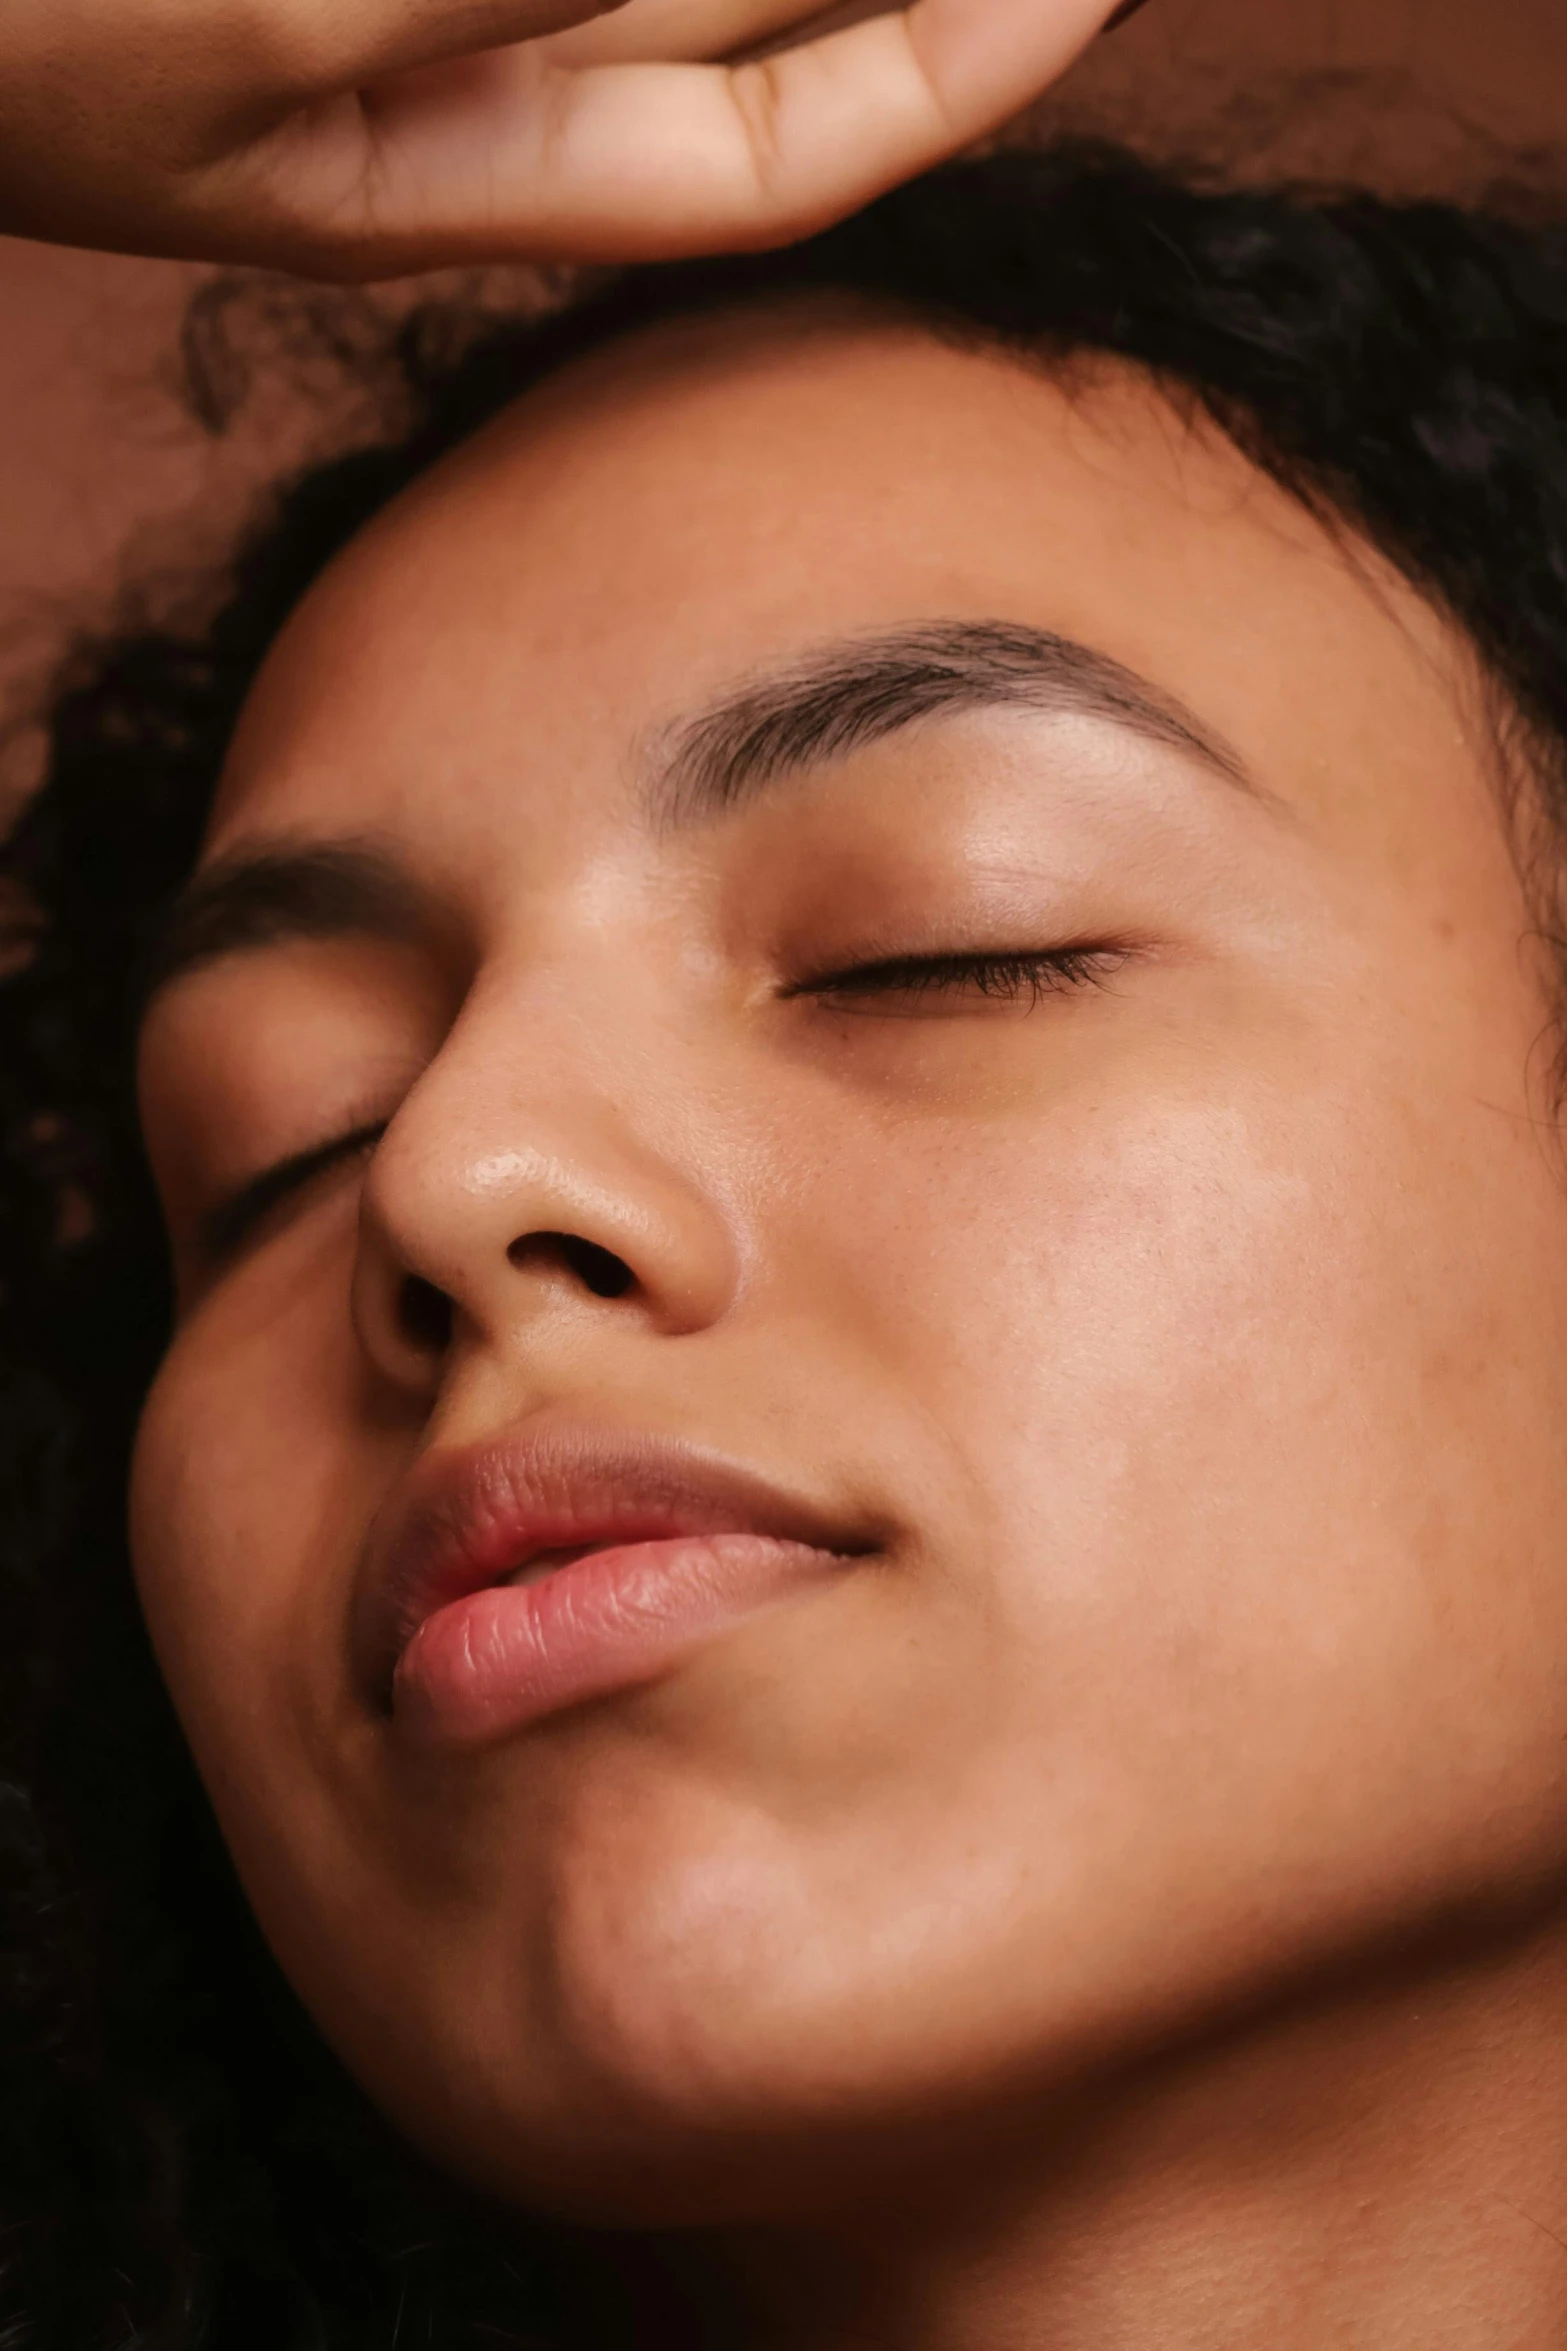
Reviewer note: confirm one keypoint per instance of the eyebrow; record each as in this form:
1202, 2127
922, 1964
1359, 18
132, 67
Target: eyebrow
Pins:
841, 698
269, 896
848, 695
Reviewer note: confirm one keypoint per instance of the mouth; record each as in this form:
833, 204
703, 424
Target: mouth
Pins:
514, 1581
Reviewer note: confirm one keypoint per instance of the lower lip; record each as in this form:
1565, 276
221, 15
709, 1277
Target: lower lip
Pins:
502, 1659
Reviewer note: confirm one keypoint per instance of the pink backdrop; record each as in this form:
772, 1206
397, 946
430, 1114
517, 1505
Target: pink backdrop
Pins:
98, 469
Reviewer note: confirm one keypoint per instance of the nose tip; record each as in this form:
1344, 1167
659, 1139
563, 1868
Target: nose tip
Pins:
446, 1266
511, 1198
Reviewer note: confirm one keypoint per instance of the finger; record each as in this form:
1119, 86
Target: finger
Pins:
685, 31
629, 162
305, 46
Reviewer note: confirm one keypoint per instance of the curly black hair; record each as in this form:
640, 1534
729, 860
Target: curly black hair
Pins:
181, 2162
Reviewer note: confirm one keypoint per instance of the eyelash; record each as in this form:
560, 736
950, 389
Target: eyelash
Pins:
231, 1223
1027, 976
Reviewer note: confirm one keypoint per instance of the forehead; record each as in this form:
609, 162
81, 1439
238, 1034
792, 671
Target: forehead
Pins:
702, 503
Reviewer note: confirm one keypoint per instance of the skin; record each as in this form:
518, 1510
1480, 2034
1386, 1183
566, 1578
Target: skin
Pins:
365, 138
1131, 1904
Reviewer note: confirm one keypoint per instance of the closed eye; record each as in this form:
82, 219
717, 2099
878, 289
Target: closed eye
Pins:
228, 1226
930, 983
922, 982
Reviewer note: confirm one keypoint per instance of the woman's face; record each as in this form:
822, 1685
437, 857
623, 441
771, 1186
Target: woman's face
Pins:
929, 1450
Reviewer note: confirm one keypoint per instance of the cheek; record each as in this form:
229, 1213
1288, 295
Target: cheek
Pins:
1253, 1411
253, 1478
1180, 1275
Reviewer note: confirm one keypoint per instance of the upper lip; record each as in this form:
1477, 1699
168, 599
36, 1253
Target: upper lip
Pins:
471, 1518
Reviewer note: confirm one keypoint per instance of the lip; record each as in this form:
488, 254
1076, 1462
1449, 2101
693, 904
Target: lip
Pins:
512, 1580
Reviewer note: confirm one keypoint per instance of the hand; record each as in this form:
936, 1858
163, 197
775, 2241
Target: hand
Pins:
364, 138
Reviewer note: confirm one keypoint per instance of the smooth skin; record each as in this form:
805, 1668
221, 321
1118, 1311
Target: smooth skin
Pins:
360, 139
1128, 1909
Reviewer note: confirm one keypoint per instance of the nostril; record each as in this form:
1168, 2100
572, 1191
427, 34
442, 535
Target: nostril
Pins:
598, 1270
424, 1315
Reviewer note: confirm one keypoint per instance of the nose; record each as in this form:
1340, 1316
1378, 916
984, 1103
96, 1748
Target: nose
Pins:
502, 1196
